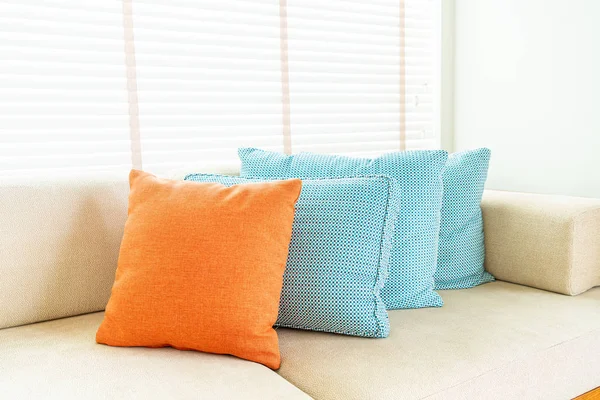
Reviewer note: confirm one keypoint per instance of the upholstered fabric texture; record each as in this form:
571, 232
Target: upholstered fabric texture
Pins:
418, 174
548, 242
461, 252
201, 267
496, 341
338, 256
59, 360
59, 247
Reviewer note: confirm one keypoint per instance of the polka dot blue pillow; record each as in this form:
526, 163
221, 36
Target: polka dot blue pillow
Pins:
338, 256
419, 174
461, 252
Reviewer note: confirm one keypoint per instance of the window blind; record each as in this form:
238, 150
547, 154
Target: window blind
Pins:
209, 79
63, 102
422, 72
165, 84
363, 75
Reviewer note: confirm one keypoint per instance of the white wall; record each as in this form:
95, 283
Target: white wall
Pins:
527, 85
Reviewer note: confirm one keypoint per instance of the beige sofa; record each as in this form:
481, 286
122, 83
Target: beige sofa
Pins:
503, 340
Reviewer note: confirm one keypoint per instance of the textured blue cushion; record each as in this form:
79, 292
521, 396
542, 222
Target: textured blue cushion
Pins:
339, 253
461, 253
419, 175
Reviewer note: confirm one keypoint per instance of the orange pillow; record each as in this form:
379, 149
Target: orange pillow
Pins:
201, 267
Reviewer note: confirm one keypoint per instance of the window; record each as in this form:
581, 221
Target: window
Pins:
200, 78
362, 78
206, 88
63, 98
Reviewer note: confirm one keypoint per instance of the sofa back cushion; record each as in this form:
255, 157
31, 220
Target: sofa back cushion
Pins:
59, 243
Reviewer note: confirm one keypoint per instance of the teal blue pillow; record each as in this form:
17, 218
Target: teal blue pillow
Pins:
461, 252
338, 256
418, 173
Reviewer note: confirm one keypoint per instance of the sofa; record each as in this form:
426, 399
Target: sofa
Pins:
534, 333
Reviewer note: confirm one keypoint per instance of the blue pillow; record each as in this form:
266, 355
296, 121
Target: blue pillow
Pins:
461, 253
419, 174
339, 252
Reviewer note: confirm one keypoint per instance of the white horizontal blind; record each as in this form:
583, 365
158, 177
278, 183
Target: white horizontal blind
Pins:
208, 78
94, 85
354, 90
63, 99
422, 72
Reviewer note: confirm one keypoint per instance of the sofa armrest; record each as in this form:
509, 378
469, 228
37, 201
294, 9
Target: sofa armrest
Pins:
544, 241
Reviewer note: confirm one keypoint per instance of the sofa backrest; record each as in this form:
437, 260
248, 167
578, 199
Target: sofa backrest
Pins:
59, 244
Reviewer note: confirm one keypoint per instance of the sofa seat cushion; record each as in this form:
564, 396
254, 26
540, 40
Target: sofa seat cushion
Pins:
495, 341
61, 360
